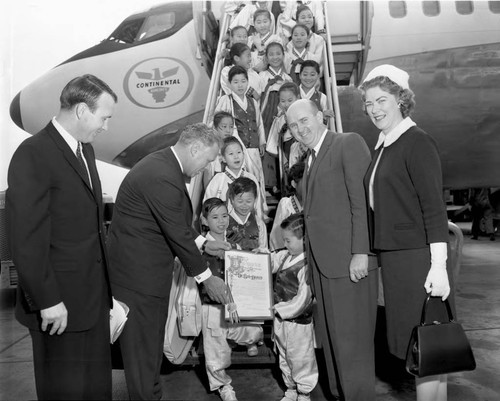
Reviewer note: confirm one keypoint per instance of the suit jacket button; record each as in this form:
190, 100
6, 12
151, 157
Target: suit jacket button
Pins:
99, 260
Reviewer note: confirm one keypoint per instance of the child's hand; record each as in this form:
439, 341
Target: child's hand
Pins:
328, 114
257, 41
260, 250
262, 150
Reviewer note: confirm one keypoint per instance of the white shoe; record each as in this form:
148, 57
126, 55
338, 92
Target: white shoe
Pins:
252, 350
290, 395
227, 393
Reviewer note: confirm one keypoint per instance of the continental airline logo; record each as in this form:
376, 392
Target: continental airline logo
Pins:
158, 83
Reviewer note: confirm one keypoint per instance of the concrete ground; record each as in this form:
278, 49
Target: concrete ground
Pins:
478, 309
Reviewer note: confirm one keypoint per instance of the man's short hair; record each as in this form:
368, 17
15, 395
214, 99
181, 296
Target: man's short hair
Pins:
199, 132
85, 89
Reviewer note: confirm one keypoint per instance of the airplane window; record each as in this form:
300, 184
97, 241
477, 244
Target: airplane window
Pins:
156, 24
494, 6
431, 8
464, 7
127, 32
397, 9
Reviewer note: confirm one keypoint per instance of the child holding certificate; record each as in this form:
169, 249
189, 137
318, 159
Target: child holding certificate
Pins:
293, 327
245, 228
216, 331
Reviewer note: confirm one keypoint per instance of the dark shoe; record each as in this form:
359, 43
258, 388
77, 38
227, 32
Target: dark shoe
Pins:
492, 237
473, 237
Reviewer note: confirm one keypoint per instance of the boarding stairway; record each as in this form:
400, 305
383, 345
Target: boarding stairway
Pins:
266, 355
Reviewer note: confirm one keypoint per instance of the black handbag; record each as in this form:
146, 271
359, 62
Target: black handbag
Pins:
438, 347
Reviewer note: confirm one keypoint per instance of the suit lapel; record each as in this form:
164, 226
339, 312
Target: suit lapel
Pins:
178, 175
68, 154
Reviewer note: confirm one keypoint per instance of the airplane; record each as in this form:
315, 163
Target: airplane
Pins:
160, 61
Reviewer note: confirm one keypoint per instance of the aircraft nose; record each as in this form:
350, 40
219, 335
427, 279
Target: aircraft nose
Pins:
15, 111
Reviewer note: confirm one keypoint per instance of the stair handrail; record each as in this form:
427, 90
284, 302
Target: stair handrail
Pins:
332, 76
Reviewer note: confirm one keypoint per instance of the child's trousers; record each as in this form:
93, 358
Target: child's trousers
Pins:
216, 333
297, 359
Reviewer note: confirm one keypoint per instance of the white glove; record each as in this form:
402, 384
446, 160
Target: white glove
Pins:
437, 283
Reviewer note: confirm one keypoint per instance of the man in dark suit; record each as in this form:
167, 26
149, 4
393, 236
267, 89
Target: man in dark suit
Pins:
54, 214
152, 224
343, 276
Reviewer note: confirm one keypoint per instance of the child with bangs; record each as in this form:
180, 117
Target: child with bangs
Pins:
271, 80
234, 159
292, 324
246, 15
306, 16
240, 56
261, 38
309, 81
248, 121
315, 20
223, 122
245, 228
297, 52
218, 334
238, 34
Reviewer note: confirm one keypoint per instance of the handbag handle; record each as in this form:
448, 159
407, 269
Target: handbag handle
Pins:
424, 309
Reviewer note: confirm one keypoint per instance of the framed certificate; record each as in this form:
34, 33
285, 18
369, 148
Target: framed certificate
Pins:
248, 276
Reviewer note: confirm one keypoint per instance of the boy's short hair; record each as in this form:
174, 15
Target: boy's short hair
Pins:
291, 87
211, 204
295, 224
229, 141
296, 171
236, 70
309, 63
308, 31
241, 185
237, 28
261, 11
219, 116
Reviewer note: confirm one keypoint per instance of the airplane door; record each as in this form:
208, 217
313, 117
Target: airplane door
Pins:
207, 29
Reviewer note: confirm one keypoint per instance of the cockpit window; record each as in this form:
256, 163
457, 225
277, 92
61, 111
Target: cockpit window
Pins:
127, 31
158, 23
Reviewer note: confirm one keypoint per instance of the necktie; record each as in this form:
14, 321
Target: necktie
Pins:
79, 156
313, 158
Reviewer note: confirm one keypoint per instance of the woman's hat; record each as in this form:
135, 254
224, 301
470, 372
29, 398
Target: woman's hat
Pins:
393, 73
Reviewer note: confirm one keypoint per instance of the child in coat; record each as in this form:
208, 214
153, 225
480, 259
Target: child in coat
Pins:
292, 324
233, 157
216, 331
